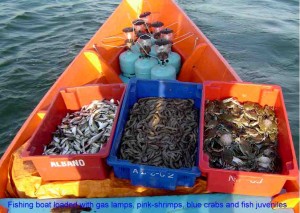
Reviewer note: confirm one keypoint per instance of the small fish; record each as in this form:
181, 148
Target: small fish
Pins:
84, 131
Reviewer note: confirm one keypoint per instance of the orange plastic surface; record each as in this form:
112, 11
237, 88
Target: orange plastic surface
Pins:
292, 199
250, 183
201, 61
88, 166
3, 209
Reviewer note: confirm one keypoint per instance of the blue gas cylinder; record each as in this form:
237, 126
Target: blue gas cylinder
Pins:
153, 40
135, 48
143, 67
125, 79
127, 60
175, 61
153, 51
163, 72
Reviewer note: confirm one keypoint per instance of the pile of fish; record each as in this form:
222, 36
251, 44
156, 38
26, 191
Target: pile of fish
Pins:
84, 131
241, 136
161, 132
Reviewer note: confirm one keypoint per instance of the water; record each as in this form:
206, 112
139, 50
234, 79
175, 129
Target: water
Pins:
39, 38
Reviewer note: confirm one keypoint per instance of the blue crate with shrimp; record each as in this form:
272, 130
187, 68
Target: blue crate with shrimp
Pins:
156, 142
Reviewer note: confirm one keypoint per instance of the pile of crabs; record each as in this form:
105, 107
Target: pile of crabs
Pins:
241, 136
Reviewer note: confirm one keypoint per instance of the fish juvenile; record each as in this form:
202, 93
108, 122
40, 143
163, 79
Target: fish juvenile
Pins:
84, 131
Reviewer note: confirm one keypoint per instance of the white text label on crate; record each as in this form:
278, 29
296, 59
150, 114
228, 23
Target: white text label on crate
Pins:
252, 180
68, 163
154, 174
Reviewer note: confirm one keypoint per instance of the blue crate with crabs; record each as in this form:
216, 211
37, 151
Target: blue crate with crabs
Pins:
152, 176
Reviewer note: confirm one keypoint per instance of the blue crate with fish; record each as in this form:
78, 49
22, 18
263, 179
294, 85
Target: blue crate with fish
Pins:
156, 141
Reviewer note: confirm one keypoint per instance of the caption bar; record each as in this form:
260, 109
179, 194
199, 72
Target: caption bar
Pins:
143, 205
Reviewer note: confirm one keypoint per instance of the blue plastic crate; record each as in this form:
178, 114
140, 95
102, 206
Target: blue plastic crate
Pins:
152, 176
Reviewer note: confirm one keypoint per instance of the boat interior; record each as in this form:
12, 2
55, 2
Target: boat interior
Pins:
201, 61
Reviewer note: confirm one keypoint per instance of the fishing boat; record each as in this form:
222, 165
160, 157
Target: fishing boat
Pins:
98, 63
